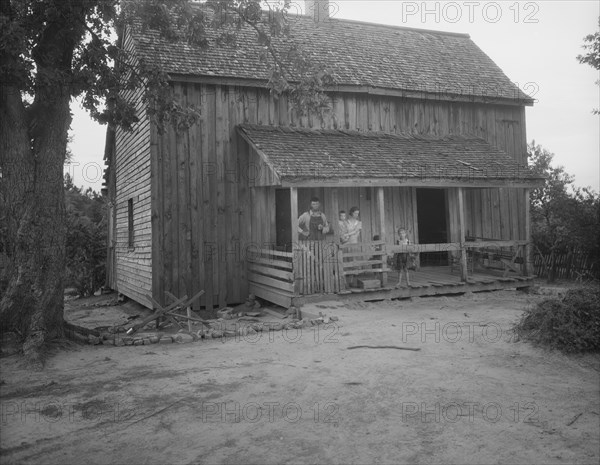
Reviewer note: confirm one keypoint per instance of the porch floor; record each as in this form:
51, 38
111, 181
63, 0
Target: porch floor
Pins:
430, 280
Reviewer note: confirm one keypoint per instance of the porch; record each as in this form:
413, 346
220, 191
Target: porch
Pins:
316, 271
463, 203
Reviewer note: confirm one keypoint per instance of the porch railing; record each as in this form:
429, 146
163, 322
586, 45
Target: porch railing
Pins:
321, 267
364, 257
317, 268
271, 275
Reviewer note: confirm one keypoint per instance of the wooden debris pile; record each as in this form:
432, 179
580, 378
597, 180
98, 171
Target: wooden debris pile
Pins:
246, 320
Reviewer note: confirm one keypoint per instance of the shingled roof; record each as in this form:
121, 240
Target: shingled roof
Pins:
363, 55
296, 154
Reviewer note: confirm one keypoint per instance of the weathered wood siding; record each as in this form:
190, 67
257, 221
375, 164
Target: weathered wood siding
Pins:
206, 214
132, 167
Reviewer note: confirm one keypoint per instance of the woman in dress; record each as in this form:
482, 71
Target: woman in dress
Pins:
354, 226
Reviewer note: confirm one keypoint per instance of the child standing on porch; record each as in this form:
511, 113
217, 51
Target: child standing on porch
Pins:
401, 258
343, 226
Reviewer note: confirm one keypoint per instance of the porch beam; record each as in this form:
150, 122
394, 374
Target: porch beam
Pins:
452, 246
527, 271
294, 220
461, 234
407, 182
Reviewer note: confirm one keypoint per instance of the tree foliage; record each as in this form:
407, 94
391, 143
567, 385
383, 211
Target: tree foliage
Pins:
564, 217
86, 238
592, 54
52, 51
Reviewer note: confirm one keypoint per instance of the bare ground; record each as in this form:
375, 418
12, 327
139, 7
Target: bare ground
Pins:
470, 395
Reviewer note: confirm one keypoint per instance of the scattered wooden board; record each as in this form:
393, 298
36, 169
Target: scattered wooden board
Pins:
274, 313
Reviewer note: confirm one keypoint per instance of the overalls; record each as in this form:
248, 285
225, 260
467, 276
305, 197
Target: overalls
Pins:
313, 228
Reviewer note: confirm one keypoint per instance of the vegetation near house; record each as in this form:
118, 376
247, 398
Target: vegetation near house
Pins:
86, 239
592, 54
565, 221
570, 323
54, 51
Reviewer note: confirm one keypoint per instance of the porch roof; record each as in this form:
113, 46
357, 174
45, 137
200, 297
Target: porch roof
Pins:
310, 157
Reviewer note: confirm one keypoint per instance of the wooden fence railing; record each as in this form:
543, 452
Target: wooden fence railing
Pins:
364, 257
322, 267
316, 268
505, 255
576, 264
271, 276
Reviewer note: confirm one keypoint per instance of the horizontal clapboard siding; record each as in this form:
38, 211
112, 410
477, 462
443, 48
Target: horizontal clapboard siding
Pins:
134, 264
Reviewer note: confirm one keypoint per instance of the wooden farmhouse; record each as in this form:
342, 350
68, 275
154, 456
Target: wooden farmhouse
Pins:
425, 132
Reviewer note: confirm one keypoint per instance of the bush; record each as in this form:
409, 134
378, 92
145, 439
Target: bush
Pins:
570, 323
86, 240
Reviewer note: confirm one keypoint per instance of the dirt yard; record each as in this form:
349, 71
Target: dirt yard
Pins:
471, 394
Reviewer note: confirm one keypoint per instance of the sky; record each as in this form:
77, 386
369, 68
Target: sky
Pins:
535, 43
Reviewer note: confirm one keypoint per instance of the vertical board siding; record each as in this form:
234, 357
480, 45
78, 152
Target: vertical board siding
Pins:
209, 213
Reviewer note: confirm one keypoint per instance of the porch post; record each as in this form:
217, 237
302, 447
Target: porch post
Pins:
335, 214
337, 260
381, 211
294, 214
461, 235
527, 271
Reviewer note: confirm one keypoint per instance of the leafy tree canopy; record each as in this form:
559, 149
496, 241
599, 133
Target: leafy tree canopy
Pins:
52, 51
563, 216
592, 55
73, 44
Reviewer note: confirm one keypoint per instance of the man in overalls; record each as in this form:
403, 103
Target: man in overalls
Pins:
313, 225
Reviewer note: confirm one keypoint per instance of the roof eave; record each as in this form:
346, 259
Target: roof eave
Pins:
291, 181
419, 94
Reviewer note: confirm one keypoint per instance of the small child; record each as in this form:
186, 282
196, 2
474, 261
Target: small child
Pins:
401, 258
343, 225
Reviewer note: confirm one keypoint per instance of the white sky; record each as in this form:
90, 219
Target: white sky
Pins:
535, 43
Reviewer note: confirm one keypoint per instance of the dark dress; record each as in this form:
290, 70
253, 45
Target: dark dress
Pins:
401, 260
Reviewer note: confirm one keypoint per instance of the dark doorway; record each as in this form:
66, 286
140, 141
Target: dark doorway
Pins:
283, 220
431, 216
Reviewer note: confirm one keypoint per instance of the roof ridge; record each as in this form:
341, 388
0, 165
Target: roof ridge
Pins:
365, 23
391, 26
382, 60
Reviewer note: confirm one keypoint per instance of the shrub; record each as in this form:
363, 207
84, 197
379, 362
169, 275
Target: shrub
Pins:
570, 323
86, 240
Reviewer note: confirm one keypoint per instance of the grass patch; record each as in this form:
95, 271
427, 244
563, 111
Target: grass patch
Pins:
570, 324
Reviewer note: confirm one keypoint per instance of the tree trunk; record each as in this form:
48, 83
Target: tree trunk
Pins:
33, 152
33, 143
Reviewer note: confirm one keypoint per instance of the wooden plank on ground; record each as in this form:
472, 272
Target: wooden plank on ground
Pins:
268, 311
275, 296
